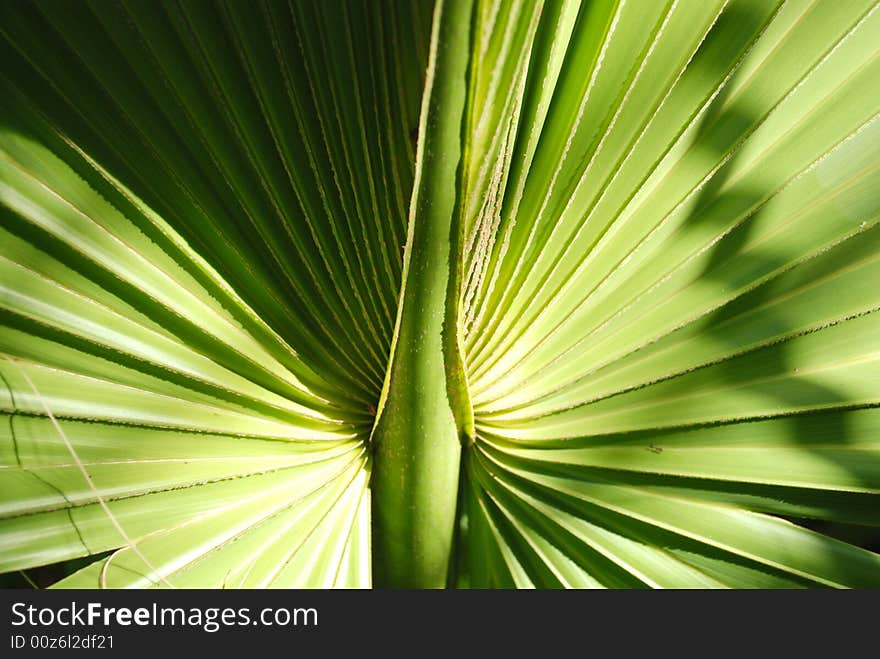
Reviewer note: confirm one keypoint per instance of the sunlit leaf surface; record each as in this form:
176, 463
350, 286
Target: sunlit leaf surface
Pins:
666, 303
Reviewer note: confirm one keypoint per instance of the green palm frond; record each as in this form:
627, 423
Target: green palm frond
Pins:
473, 293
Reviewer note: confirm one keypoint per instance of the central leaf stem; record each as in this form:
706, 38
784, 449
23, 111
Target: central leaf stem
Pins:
425, 415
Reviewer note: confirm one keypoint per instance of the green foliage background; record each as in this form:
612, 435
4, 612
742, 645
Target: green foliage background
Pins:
636, 245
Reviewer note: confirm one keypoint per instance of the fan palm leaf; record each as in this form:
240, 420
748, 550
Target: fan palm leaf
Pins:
472, 293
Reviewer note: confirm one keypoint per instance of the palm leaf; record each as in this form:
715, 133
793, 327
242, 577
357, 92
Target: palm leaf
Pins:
575, 294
